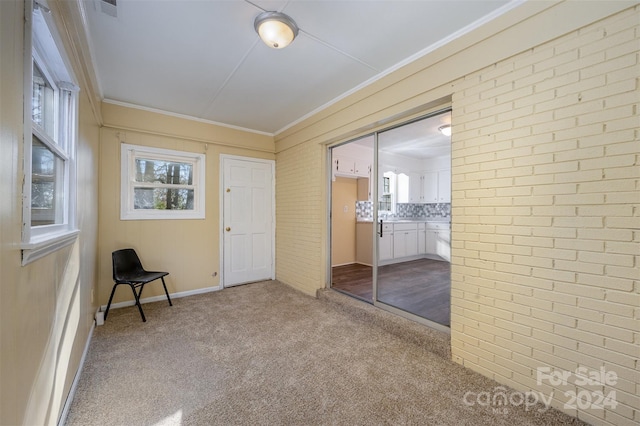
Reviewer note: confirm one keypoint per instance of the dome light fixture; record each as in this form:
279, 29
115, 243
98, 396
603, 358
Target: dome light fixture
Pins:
445, 130
276, 29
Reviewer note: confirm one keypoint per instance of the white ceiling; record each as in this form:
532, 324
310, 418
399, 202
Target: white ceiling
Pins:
419, 139
203, 58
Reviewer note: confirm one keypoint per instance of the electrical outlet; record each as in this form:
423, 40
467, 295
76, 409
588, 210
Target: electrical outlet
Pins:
345, 209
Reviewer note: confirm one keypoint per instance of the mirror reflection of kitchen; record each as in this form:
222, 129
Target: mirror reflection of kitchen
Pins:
414, 213
352, 218
414, 218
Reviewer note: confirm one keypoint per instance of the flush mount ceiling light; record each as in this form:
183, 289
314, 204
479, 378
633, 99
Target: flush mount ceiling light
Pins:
445, 130
276, 29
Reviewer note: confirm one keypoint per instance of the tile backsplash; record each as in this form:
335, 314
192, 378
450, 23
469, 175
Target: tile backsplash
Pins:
364, 210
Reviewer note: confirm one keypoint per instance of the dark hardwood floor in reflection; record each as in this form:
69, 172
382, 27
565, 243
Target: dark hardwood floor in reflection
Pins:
354, 279
422, 287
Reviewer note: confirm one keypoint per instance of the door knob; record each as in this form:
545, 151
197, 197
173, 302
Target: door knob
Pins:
228, 229
228, 189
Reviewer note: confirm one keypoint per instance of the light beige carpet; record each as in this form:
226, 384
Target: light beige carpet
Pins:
266, 354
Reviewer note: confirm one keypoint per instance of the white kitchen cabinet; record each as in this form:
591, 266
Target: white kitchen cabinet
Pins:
415, 188
438, 240
431, 241
362, 168
413, 240
347, 166
403, 188
422, 239
430, 187
385, 242
443, 244
444, 186
334, 167
344, 165
405, 240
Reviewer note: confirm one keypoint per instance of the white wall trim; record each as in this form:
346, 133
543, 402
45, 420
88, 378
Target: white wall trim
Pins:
151, 299
184, 116
424, 52
344, 264
130, 153
74, 385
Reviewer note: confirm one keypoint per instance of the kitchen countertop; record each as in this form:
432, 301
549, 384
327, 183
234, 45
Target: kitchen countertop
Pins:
410, 220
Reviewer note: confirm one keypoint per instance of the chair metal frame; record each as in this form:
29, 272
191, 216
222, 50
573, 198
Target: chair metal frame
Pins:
135, 277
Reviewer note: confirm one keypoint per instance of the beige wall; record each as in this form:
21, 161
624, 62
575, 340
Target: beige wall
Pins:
545, 208
46, 312
124, 118
343, 224
188, 249
559, 286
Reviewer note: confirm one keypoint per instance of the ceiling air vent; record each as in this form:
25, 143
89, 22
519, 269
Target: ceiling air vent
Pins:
109, 7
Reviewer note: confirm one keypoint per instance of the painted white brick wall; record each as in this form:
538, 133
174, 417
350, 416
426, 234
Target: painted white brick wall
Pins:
546, 217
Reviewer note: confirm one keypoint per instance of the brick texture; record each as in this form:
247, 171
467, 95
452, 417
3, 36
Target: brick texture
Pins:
299, 217
546, 217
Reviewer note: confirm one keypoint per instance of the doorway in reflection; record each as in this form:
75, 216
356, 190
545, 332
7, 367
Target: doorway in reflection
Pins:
352, 218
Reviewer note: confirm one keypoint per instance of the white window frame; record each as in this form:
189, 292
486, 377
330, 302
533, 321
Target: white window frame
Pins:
392, 194
128, 155
44, 47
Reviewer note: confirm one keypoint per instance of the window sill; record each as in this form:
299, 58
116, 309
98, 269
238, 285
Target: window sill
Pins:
161, 215
42, 246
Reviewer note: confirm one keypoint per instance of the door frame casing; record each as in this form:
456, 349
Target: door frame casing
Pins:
439, 109
329, 202
223, 158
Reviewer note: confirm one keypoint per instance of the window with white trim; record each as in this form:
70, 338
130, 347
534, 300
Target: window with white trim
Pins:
161, 184
387, 197
50, 101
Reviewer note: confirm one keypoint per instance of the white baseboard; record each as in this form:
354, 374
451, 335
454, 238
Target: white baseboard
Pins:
162, 297
99, 317
343, 264
72, 392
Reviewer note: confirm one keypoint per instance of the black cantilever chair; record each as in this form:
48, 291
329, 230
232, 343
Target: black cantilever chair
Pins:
127, 269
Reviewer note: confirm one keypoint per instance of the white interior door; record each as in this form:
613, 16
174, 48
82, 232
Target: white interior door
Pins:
248, 226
